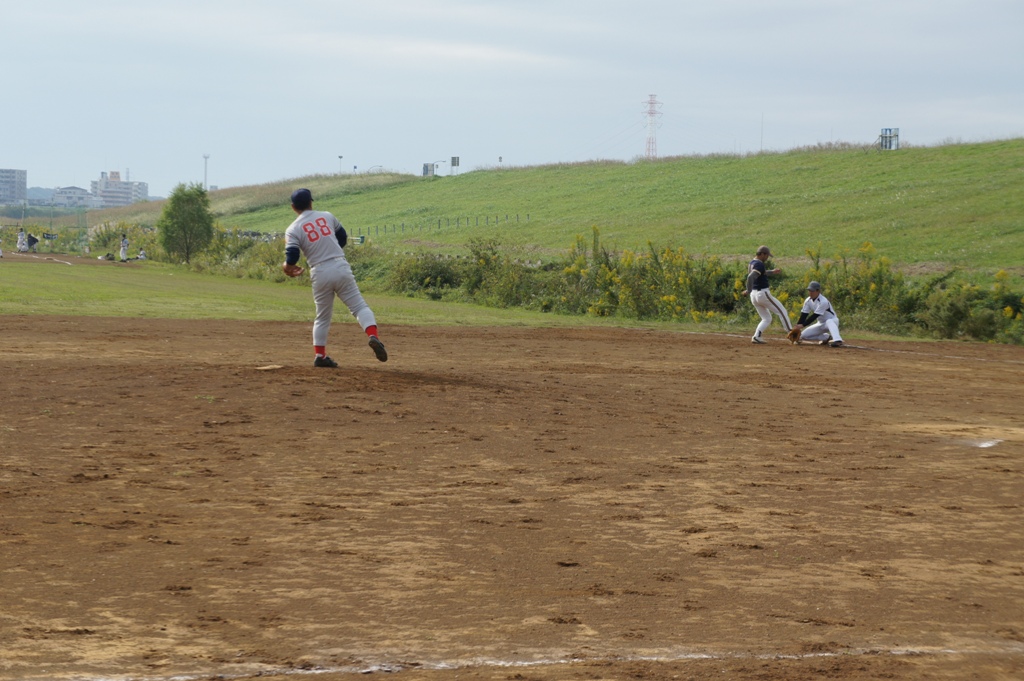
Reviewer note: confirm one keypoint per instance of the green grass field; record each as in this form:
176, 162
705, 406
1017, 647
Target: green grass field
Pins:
166, 291
957, 205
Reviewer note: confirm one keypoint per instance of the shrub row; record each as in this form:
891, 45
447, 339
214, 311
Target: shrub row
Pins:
671, 284
666, 283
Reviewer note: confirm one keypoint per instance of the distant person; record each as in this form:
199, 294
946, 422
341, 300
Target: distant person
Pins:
124, 248
32, 241
22, 241
142, 254
764, 302
322, 239
1, 248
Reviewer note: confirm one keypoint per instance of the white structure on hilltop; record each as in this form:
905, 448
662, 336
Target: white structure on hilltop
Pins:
112, 191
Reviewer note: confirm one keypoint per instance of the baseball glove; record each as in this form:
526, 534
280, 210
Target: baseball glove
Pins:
292, 270
794, 335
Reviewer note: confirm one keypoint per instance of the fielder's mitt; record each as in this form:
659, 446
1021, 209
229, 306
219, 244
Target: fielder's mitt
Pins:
291, 270
794, 335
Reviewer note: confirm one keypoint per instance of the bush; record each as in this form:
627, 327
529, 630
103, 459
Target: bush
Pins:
945, 312
641, 284
670, 284
425, 273
700, 285
954, 308
863, 287
1011, 326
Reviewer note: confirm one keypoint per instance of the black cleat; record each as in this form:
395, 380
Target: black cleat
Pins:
836, 344
756, 340
325, 362
378, 349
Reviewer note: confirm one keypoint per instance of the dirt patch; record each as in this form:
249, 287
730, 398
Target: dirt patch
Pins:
193, 499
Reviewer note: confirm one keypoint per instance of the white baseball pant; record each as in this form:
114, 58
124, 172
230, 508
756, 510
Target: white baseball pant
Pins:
819, 330
766, 304
334, 277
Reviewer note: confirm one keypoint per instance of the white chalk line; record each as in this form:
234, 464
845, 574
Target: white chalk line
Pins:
398, 667
847, 346
32, 255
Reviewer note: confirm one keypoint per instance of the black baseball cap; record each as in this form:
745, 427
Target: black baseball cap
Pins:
302, 196
814, 286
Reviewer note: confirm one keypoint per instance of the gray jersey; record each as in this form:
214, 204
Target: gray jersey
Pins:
315, 234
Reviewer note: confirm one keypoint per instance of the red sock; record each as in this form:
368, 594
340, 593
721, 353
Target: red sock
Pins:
371, 330
320, 350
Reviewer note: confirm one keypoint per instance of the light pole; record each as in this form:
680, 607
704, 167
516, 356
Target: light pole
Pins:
206, 158
372, 169
435, 166
340, 169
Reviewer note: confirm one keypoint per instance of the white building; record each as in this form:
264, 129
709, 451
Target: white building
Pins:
13, 187
112, 191
75, 197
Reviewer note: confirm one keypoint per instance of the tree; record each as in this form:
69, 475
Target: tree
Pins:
186, 225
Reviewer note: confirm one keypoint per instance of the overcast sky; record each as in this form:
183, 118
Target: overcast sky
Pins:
274, 90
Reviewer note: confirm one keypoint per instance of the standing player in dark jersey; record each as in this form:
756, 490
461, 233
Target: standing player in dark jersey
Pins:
763, 301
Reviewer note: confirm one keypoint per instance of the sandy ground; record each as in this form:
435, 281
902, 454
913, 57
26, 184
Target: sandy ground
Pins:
192, 500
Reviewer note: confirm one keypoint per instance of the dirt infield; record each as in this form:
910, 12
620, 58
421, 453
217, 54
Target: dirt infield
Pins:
504, 504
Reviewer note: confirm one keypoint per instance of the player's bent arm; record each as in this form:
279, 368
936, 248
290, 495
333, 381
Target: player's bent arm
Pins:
751, 278
291, 259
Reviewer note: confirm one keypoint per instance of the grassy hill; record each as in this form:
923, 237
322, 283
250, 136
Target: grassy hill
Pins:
957, 205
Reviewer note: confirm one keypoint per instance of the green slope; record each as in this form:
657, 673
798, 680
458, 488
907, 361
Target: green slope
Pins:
953, 205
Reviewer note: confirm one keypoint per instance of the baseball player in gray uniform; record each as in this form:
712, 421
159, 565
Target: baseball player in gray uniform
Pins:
321, 238
763, 301
818, 321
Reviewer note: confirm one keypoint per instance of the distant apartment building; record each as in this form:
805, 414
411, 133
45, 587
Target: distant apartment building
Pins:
13, 186
74, 197
112, 191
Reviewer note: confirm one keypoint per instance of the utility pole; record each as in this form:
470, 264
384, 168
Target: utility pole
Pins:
652, 126
206, 157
